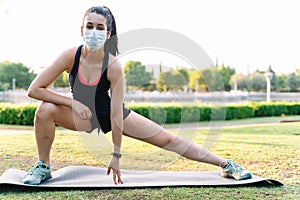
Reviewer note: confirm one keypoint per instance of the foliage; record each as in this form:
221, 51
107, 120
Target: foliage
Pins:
226, 73
263, 109
211, 79
23, 114
62, 80
243, 82
173, 80
136, 76
292, 82
281, 82
215, 78
9, 71
258, 81
20, 114
194, 77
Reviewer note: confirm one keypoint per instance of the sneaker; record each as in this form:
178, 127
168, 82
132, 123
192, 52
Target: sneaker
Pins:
39, 173
233, 170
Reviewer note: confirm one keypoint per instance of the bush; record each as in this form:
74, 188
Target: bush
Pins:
19, 114
265, 109
239, 112
293, 109
23, 114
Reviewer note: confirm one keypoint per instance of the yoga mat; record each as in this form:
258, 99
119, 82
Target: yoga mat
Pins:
86, 177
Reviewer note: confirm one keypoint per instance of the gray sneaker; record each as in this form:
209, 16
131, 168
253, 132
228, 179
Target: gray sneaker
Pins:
233, 170
39, 173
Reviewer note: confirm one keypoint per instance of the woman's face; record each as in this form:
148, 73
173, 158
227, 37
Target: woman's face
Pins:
94, 21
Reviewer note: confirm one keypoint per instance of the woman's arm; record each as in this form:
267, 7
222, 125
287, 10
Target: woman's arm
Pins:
115, 75
38, 88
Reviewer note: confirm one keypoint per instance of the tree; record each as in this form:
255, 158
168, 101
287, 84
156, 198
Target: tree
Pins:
281, 82
258, 81
212, 79
243, 82
292, 82
184, 73
173, 80
136, 75
226, 73
195, 76
22, 74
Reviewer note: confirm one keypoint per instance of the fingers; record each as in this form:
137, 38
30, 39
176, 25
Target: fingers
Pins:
116, 175
119, 177
86, 115
82, 110
108, 170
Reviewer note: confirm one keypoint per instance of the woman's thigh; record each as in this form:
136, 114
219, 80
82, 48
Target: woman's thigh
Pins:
65, 117
141, 128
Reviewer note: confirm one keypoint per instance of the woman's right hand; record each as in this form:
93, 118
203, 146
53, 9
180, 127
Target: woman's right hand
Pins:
81, 110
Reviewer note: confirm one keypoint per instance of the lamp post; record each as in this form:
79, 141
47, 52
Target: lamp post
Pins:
13, 84
269, 76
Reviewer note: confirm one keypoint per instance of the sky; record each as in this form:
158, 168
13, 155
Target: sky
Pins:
245, 35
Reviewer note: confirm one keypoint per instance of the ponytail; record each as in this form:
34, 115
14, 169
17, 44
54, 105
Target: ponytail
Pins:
111, 45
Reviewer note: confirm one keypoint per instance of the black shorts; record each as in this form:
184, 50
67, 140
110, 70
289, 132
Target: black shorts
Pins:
102, 121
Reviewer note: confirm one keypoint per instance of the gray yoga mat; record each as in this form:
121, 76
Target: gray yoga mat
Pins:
85, 177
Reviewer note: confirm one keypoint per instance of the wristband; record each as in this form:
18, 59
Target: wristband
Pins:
117, 155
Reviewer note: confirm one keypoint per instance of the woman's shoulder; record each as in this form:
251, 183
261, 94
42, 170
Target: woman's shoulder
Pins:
71, 51
67, 57
114, 68
68, 54
114, 63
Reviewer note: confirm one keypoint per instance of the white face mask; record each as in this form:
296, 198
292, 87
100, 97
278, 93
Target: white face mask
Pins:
94, 39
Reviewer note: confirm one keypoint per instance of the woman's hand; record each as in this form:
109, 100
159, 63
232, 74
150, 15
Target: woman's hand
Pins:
81, 110
114, 166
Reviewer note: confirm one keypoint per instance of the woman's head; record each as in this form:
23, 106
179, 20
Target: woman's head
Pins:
104, 21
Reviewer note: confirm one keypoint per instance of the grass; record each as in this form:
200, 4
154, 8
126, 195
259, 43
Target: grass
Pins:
267, 150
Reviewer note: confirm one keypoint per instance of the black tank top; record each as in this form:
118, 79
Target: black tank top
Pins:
95, 97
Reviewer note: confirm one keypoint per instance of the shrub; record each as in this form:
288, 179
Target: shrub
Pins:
23, 114
19, 114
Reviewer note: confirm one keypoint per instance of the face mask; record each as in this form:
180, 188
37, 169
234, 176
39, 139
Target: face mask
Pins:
94, 39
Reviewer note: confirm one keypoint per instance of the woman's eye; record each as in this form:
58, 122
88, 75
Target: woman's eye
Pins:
89, 26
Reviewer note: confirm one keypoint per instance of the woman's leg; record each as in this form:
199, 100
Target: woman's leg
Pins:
139, 127
46, 117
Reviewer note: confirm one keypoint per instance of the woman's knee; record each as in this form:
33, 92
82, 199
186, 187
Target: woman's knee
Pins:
171, 141
45, 110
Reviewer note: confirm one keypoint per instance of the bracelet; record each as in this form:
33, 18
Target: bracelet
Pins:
117, 155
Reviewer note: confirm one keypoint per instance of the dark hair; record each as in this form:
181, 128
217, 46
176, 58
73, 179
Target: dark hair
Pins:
111, 45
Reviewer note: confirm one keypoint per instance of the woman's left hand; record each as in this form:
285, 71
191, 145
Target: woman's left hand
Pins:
114, 166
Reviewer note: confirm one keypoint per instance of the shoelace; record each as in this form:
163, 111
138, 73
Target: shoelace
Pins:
34, 171
236, 167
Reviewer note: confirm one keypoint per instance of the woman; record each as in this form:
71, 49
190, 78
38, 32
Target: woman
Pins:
97, 82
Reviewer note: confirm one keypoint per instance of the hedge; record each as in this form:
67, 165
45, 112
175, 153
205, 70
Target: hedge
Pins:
20, 114
23, 114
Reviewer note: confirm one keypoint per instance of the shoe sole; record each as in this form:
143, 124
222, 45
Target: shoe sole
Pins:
225, 175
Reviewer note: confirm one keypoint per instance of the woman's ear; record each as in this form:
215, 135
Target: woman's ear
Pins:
81, 30
108, 34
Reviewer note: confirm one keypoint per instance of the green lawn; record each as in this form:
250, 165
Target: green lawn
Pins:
268, 150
